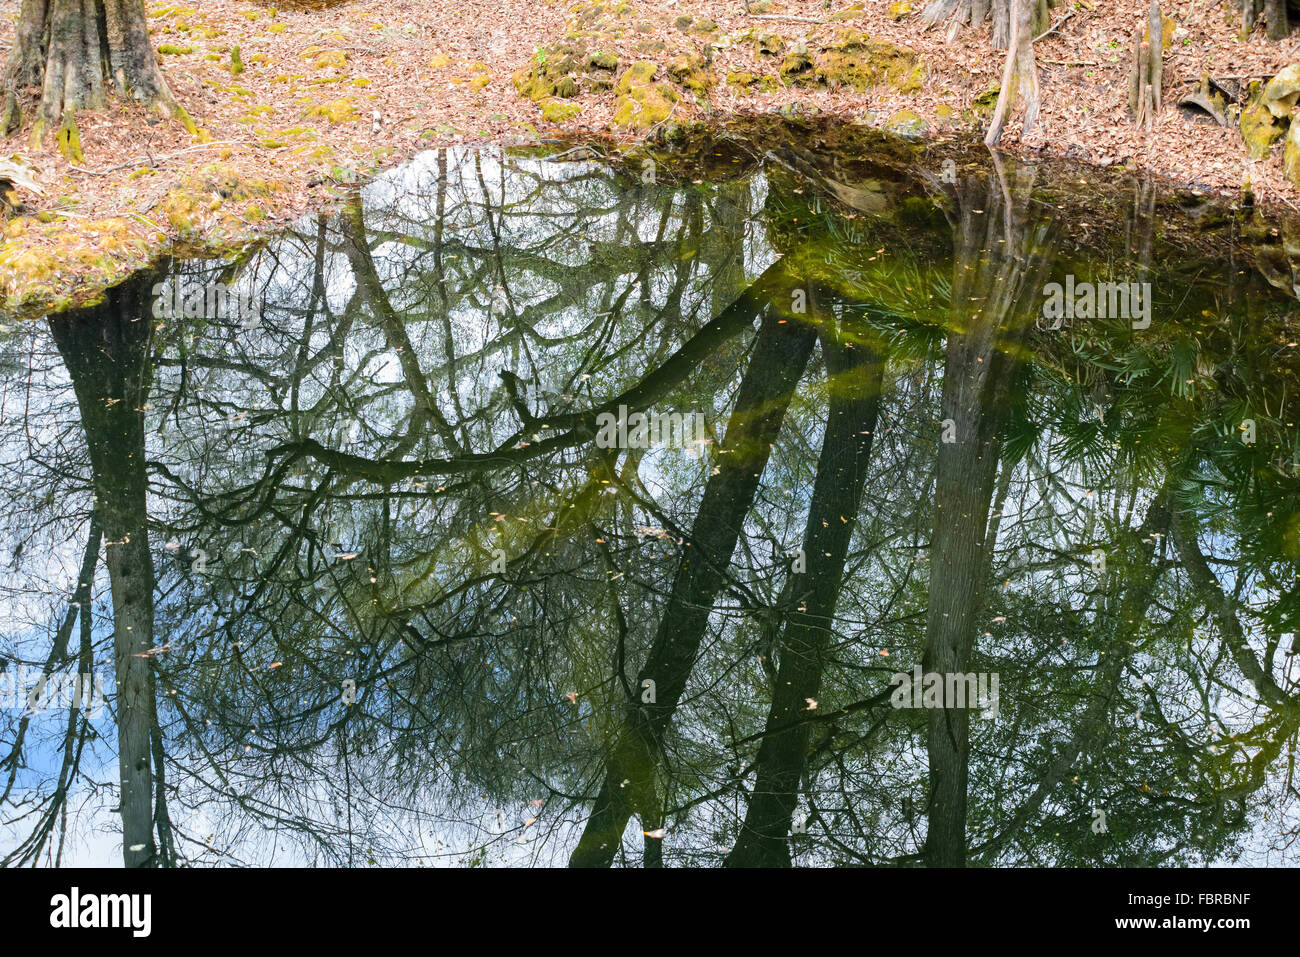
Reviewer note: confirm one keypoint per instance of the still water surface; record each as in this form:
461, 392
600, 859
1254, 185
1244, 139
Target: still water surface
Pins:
582, 509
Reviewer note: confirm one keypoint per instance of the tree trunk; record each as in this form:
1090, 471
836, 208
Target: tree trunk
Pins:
780, 353
78, 51
106, 351
1275, 19
975, 12
1146, 76
1250, 11
1019, 75
855, 371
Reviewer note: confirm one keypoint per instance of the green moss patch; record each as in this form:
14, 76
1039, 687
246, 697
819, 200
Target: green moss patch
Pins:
642, 103
857, 61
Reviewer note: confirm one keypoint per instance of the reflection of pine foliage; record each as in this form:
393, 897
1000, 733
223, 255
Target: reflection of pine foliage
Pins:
904, 302
918, 298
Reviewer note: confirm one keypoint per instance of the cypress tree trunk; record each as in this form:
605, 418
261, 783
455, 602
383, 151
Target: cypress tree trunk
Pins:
77, 51
973, 13
1147, 72
1019, 75
1275, 18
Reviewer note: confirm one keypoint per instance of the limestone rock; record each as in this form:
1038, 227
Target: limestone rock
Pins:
1281, 92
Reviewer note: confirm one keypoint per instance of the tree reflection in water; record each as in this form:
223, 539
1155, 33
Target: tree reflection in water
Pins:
368, 590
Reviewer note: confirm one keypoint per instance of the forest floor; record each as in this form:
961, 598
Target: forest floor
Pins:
329, 95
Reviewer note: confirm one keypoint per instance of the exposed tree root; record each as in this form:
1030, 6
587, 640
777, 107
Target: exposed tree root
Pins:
973, 13
1147, 72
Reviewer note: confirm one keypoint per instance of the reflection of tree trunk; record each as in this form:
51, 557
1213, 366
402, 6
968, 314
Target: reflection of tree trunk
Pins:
855, 372
580, 426
996, 283
780, 353
106, 351
78, 727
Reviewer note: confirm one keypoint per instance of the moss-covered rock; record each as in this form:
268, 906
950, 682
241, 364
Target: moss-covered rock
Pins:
557, 111
325, 59
638, 74
797, 67
1282, 91
646, 107
769, 44
986, 101
531, 86
549, 73
851, 12
1260, 129
690, 70
749, 83
946, 117
908, 125
857, 61
704, 26
341, 110
599, 17
683, 22
899, 10
603, 61
1291, 154
642, 103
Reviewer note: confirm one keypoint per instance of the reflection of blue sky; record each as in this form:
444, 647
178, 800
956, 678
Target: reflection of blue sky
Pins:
533, 209
528, 214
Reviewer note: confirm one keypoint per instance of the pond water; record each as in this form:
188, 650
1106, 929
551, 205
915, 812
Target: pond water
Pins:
794, 495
